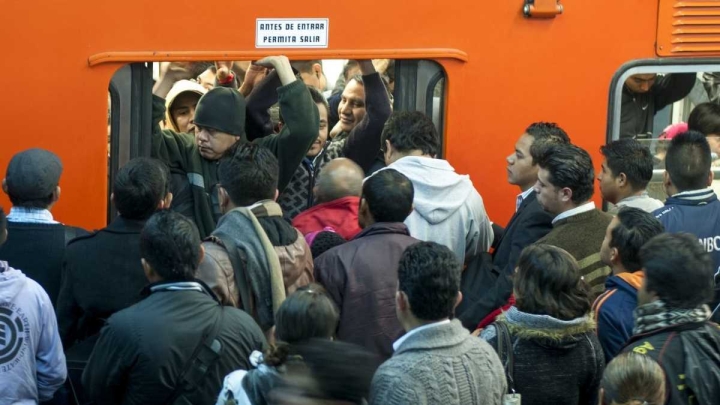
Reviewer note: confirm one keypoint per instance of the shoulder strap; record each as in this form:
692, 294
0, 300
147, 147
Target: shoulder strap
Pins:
505, 345
241, 281
203, 357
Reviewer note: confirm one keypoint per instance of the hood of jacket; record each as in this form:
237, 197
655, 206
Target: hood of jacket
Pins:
182, 86
439, 191
547, 331
12, 282
629, 282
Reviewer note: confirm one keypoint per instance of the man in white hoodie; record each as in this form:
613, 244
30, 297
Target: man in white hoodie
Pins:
32, 362
447, 208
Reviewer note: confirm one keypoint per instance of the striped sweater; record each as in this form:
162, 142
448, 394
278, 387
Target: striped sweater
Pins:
582, 236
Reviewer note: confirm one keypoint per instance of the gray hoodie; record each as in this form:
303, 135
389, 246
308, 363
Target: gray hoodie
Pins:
447, 208
32, 362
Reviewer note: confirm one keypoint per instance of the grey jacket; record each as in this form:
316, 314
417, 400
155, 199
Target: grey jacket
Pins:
443, 365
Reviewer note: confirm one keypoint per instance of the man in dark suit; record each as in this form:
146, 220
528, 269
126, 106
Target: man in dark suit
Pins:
486, 284
102, 273
530, 222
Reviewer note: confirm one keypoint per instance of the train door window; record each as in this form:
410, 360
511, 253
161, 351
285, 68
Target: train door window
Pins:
129, 120
650, 102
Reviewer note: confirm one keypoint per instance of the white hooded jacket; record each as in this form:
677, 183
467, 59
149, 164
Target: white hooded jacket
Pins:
32, 362
447, 208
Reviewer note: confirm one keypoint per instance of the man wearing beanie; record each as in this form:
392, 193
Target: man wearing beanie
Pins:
220, 125
36, 241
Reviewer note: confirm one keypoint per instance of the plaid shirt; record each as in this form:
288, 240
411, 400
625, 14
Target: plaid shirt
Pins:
31, 216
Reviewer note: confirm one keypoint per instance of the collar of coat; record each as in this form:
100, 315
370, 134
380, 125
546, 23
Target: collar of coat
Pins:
266, 208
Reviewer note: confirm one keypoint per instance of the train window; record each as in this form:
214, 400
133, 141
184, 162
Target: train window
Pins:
413, 85
648, 101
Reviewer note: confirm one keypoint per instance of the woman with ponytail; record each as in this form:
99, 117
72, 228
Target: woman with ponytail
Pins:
305, 315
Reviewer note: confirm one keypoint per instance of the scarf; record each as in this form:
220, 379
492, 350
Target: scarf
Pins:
656, 315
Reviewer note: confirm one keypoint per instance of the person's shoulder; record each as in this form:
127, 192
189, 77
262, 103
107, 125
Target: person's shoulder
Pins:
238, 320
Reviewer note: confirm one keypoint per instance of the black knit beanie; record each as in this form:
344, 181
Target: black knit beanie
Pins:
325, 241
222, 109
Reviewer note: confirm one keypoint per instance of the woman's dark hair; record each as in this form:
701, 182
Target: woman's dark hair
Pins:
325, 241
307, 313
548, 282
633, 379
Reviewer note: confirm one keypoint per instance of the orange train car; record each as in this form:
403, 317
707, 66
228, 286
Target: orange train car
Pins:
504, 63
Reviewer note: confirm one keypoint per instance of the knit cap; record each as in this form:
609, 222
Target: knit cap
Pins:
222, 109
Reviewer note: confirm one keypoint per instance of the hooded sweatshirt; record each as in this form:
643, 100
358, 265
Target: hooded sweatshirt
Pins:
32, 362
182, 86
447, 208
614, 312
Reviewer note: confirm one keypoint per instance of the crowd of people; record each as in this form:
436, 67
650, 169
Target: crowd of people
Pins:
280, 247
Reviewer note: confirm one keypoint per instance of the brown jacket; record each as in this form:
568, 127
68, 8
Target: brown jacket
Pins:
292, 250
361, 277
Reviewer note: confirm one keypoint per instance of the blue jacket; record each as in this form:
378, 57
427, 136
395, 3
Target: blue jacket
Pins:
696, 212
614, 312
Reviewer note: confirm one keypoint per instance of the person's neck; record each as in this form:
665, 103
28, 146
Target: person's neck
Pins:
412, 322
570, 207
525, 187
629, 193
412, 153
618, 268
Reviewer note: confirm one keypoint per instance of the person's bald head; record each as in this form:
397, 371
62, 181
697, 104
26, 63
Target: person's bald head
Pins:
339, 178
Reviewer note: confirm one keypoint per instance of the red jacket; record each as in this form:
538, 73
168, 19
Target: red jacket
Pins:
340, 214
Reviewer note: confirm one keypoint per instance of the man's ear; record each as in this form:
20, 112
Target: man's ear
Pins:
566, 194
4, 186
202, 253
317, 69
223, 197
401, 301
147, 269
667, 182
458, 300
277, 194
711, 177
621, 180
614, 255
56, 194
166, 202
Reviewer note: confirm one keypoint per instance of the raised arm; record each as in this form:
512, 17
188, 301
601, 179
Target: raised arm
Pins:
363, 143
300, 117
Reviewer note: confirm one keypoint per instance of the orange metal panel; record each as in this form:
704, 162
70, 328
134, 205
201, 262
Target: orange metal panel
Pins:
514, 71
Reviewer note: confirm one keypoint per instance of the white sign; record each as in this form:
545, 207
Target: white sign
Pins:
292, 32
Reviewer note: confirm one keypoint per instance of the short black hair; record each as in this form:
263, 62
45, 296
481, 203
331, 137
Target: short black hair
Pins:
547, 131
41, 203
705, 118
429, 274
631, 157
170, 244
249, 173
679, 270
389, 196
347, 67
544, 134
569, 166
411, 130
139, 186
635, 228
688, 161
318, 98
